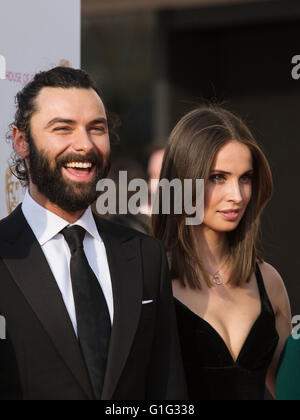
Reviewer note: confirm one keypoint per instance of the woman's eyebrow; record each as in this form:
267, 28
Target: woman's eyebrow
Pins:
221, 172
228, 173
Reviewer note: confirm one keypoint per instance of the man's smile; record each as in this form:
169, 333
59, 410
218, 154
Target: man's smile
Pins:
79, 171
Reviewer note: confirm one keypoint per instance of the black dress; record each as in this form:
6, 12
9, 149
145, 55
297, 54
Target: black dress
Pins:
211, 371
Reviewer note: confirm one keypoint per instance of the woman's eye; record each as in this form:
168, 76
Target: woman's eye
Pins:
217, 178
246, 179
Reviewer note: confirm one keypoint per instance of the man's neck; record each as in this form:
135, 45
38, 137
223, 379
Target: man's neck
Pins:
53, 208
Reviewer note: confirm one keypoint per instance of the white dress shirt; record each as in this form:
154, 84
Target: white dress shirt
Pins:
47, 226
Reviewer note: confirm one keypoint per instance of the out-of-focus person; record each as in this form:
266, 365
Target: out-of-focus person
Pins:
140, 222
288, 375
156, 154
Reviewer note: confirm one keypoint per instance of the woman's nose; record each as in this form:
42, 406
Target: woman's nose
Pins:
235, 192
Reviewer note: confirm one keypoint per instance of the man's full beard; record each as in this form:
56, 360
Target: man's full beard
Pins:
68, 195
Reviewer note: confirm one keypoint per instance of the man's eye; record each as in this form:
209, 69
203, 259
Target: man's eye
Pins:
98, 129
62, 129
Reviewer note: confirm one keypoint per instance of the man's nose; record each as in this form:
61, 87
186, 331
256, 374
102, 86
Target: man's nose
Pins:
82, 142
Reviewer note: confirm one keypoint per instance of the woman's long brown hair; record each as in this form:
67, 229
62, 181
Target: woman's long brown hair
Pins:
190, 154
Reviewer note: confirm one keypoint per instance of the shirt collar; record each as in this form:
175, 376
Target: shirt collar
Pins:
46, 225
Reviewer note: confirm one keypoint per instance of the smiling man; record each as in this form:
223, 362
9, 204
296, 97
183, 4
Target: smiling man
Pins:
87, 303
67, 149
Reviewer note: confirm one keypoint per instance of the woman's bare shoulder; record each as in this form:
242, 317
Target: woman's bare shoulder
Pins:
270, 274
274, 285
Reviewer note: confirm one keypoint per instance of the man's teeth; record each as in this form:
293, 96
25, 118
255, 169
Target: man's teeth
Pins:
79, 165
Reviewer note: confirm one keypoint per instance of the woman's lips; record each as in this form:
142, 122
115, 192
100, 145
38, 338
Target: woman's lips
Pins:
230, 215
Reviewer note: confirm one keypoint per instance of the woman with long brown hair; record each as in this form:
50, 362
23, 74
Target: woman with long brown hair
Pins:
232, 308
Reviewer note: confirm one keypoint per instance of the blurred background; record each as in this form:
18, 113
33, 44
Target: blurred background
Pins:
154, 60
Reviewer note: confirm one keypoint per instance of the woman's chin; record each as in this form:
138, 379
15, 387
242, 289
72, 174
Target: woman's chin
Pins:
221, 229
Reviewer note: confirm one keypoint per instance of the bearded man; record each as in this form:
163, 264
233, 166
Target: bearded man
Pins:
87, 303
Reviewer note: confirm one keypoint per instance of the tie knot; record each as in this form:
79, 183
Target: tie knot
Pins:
74, 237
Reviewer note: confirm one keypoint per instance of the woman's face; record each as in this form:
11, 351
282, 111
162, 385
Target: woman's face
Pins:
229, 188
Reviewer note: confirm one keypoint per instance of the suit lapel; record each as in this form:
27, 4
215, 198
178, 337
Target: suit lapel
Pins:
124, 258
26, 263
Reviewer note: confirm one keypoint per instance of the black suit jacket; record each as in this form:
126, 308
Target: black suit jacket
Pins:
41, 358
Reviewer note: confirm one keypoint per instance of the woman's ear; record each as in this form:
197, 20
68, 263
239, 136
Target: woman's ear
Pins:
21, 145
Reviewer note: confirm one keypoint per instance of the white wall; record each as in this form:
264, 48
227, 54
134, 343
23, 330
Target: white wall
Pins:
35, 35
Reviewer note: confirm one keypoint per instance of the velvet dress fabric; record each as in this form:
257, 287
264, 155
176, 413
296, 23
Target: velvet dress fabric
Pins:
211, 372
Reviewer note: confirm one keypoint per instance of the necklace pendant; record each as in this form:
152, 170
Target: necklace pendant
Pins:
218, 280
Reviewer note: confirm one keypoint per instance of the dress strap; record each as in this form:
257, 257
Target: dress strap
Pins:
262, 290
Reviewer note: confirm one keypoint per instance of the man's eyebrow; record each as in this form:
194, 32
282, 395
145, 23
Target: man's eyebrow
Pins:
99, 121
59, 121
72, 122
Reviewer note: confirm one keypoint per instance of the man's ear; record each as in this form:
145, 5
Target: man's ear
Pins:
21, 145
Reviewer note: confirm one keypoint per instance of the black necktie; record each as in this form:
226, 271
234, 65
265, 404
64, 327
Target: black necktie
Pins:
93, 320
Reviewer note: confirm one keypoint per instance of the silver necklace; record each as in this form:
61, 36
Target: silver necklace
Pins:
217, 278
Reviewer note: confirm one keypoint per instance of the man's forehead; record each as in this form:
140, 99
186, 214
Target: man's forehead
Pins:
56, 98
